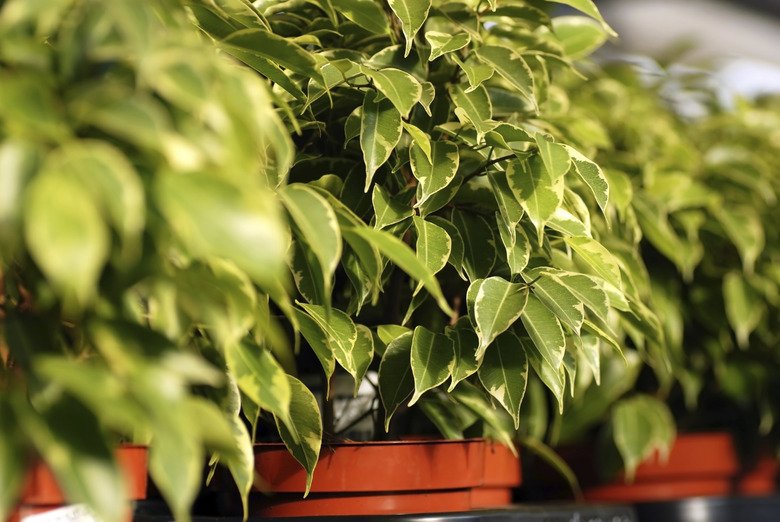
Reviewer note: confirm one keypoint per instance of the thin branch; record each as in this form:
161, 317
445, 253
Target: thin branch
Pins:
482, 168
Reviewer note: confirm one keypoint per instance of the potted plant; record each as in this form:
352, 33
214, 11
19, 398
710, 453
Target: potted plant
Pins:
427, 220
698, 190
441, 230
133, 177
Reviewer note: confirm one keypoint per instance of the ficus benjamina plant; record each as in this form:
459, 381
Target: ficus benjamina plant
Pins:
199, 196
694, 180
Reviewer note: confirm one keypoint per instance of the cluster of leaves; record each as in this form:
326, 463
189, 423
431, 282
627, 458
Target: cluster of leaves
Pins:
433, 141
136, 206
697, 195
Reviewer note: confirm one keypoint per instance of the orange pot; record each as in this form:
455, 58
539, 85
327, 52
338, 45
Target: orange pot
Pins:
501, 476
700, 464
759, 479
41, 492
370, 478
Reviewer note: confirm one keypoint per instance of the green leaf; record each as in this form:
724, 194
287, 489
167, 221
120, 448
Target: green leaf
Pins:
260, 377
319, 226
592, 175
504, 373
303, 435
473, 107
445, 43
437, 175
508, 205
579, 36
538, 193
475, 400
66, 236
345, 340
421, 139
516, 244
497, 305
12, 472
308, 275
380, 131
367, 14
396, 381
69, 439
432, 358
277, 50
457, 246
743, 307
544, 329
744, 228
387, 210
403, 256
590, 9
114, 184
476, 72
566, 223
465, 343
561, 300
641, 425
553, 377
398, 86
554, 156
433, 244
585, 288
598, 258
412, 14
214, 218
512, 67
479, 242
318, 342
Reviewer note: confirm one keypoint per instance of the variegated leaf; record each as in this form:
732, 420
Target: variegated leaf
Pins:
597, 258
465, 343
512, 67
504, 373
497, 305
538, 193
396, 382
473, 107
403, 256
303, 435
544, 329
388, 210
398, 86
479, 242
260, 377
433, 176
432, 359
380, 131
553, 377
444, 43
592, 175
555, 156
412, 14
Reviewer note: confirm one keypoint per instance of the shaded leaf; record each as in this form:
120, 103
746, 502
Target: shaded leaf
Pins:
396, 381
432, 357
504, 373
433, 176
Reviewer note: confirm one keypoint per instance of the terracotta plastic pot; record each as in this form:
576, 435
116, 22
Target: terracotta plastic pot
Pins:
700, 464
501, 476
370, 478
42, 493
761, 478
